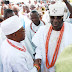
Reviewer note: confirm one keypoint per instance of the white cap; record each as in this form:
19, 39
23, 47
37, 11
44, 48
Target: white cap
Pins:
56, 9
11, 25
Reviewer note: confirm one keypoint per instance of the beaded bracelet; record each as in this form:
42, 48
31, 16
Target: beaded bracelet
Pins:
38, 68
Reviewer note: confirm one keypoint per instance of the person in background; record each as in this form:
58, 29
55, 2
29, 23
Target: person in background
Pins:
24, 9
2, 4
68, 5
15, 8
32, 7
27, 9
10, 6
8, 13
31, 30
1, 19
69, 19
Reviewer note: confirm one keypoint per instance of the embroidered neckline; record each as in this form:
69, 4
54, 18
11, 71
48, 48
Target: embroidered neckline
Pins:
24, 49
32, 28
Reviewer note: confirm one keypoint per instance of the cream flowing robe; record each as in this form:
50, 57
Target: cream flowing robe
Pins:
29, 35
14, 60
64, 61
39, 40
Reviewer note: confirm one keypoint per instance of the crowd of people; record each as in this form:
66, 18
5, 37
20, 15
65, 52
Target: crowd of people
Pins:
35, 37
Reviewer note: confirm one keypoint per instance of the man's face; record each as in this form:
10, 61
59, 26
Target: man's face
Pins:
32, 7
27, 8
24, 8
56, 21
15, 11
35, 2
35, 18
20, 34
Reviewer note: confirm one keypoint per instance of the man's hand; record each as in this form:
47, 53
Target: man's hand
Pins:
38, 63
65, 1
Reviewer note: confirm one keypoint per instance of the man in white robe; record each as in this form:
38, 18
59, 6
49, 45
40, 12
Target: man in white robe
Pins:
69, 6
40, 38
31, 30
14, 56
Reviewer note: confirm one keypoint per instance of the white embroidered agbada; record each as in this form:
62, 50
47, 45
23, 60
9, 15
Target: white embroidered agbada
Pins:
29, 35
14, 60
39, 40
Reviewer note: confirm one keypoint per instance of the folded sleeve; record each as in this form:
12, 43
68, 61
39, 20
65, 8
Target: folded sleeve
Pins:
37, 40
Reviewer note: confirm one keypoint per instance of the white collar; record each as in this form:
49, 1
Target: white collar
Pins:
35, 25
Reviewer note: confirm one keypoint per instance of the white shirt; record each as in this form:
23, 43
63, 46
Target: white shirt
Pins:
14, 60
39, 40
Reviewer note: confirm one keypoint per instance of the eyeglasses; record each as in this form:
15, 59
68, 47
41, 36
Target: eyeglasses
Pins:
57, 17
